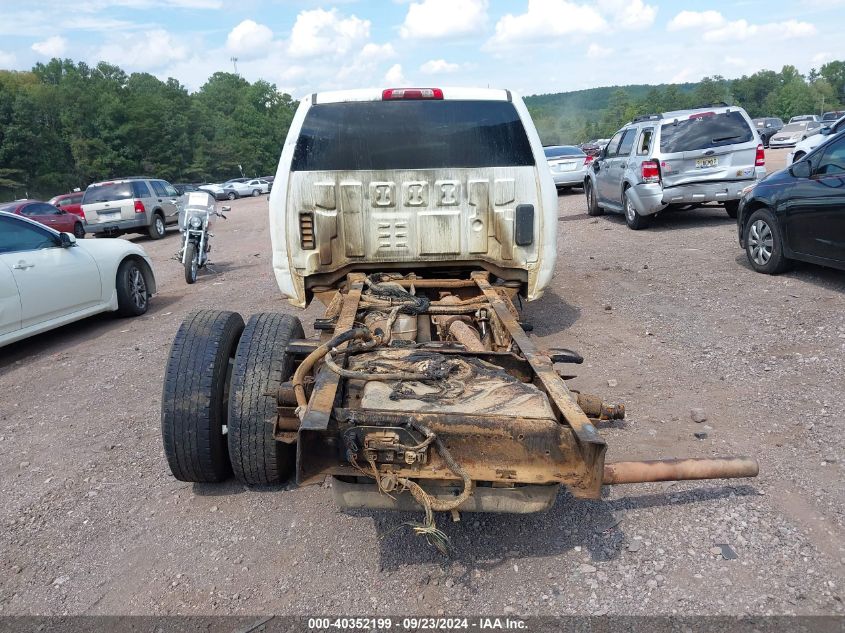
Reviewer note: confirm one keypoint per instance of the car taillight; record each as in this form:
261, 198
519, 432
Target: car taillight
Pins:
395, 94
650, 171
139, 207
588, 159
760, 159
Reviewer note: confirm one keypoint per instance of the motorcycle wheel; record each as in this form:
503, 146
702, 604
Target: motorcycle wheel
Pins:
191, 262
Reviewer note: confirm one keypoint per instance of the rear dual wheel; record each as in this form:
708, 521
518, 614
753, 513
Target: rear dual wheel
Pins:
216, 416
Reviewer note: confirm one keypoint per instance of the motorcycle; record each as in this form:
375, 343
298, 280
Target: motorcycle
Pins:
196, 217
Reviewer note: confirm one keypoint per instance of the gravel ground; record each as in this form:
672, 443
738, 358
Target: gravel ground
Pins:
670, 320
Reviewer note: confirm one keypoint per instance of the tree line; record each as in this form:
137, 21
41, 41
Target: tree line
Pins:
64, 125
576, 117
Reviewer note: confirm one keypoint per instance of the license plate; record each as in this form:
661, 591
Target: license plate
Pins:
566, 166
701, 163
106, 216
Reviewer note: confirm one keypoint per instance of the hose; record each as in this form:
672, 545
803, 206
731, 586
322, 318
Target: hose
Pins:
313, 358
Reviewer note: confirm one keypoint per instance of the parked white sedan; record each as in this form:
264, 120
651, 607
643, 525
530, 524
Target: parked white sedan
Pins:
48, 279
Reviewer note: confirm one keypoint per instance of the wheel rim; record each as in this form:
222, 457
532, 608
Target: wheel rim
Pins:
231, 196
629, 210
137, 288
590, 200
78, 231
159, 225
255, 192
761, 242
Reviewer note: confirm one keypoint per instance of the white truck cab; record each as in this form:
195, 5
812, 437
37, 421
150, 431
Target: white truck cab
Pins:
410, 178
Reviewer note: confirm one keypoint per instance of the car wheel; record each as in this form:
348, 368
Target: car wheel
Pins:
78, 231
633, 218
764, 243
256, 193
157, 228
191, 262
262, 364
593, 207
732, 208
133, 297
195, 398
232, 195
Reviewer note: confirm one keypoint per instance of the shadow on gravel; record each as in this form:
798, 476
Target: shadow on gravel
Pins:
550, 315
573, 218
821, 276
487, 541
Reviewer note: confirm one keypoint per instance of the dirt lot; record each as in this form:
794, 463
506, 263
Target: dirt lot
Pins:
669, 319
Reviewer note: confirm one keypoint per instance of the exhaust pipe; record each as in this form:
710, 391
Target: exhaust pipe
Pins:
679, 470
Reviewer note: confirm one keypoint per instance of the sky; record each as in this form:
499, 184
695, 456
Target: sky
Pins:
529, 46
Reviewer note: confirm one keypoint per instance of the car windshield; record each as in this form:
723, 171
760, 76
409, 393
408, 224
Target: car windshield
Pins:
794, 127
832, 116
413, 134
108, 192
562, 150
703, 130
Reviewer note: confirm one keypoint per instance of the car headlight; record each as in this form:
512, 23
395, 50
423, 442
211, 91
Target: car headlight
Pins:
196, 222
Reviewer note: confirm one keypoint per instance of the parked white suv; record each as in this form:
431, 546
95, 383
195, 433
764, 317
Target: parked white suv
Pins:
684, 158
385, 180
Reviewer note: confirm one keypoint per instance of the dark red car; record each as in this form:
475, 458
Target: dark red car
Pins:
70, 202
48, 215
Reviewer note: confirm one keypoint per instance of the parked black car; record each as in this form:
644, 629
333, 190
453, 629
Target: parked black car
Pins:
797, 213
767, 127
185, 187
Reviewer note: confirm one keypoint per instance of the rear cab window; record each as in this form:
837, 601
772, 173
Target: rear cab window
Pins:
388, 135
704, 130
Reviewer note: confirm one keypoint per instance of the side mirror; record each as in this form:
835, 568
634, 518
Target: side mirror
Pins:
825, 130
67, 240
801, 169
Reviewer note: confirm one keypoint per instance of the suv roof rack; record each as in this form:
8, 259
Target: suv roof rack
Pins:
647, 117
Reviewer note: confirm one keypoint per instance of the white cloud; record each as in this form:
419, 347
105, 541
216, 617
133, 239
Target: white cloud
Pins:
394, 76
594, 51
149, 51
628, 14
439, 66
696, 20
54, 46
376, 52
742, 30
438, 19
821, 58
249, 39
545, 18
7, 60
320, 32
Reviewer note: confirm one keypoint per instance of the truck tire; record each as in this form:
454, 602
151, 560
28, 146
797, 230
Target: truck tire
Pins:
194, 401
262, 364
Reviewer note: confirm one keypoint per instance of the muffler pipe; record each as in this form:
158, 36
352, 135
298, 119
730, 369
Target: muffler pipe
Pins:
679, 470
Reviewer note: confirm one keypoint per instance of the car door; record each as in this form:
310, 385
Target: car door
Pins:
10, 300
42, 213
604, 165
56, 219
815, 208
52, 281
168, 198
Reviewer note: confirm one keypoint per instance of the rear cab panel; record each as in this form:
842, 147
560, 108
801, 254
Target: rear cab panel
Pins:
365, 182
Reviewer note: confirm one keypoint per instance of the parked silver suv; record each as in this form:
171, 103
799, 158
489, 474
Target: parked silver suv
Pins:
131, 205
681, 159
